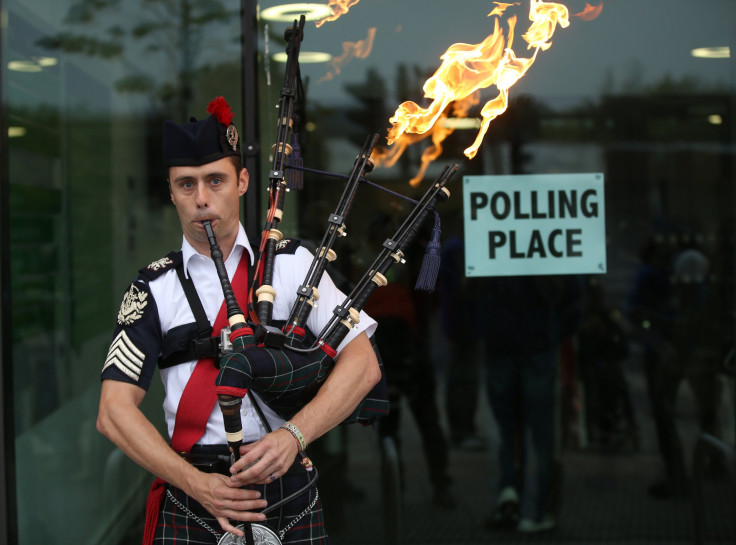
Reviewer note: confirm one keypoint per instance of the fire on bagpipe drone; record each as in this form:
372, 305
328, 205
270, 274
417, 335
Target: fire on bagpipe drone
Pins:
276, 363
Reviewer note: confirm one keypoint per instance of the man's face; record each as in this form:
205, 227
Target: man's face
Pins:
208, 192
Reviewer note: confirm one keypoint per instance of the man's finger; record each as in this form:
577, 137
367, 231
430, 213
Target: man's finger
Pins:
227, 527
243, 464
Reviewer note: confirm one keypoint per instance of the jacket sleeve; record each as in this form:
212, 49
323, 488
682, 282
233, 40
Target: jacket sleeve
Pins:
137, 338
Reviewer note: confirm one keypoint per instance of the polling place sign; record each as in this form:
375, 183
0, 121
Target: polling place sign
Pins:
536, 224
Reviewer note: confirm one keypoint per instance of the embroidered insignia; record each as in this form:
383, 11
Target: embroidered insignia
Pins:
131, 309
160, 264
281, 244
124, 355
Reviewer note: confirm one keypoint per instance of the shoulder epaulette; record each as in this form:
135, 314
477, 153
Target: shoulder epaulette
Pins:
160, 266
287, 246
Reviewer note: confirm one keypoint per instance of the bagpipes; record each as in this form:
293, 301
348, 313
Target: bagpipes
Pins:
277, 363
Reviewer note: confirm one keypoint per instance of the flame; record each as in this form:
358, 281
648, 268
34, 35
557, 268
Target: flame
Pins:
590, 12
465, 70
339, 8
387, 157
442, 130
360, 49
501, 7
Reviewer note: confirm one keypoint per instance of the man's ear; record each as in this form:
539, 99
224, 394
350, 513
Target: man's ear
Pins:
243, 180
171, 195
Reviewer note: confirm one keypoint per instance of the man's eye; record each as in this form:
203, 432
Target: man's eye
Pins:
216, 181
187, 185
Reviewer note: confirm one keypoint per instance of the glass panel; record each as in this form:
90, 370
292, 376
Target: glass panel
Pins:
614, 375
88, 87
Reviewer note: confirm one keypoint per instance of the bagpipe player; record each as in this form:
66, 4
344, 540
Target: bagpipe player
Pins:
163, 322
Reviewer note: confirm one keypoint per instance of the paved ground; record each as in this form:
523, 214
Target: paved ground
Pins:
604, 499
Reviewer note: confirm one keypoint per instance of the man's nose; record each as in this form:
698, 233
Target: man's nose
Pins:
202, 196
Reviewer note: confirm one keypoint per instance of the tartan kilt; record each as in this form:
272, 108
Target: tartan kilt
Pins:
175, 527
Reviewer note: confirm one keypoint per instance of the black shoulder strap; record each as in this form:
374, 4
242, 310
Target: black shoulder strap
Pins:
186, 345
204, 329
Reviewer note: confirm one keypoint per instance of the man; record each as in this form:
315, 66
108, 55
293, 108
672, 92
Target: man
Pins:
206, 182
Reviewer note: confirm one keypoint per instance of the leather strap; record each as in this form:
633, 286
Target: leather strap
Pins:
204, 329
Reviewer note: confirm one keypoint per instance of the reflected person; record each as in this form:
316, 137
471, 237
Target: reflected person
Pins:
529, 318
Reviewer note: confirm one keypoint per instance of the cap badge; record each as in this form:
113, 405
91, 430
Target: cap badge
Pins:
232, 136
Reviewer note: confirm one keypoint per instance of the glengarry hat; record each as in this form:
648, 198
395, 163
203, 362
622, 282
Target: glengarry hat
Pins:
200, 142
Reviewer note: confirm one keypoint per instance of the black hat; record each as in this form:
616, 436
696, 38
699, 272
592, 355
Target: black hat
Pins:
200, 142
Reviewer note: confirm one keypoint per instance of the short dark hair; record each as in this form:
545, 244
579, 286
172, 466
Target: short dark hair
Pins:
237, 163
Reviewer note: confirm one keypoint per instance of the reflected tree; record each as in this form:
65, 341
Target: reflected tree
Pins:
160, 43
166, 51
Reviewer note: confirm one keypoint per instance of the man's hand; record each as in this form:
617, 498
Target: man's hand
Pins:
225, 501
124, 424
265, 460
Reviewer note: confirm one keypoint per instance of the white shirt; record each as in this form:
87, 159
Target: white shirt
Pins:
174, 310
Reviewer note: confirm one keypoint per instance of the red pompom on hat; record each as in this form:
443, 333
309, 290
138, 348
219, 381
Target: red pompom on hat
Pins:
221, 110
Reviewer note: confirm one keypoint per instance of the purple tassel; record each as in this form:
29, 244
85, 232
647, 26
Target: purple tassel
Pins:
431, 262
294, 163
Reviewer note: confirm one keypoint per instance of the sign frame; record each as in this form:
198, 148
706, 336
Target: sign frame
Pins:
534, 224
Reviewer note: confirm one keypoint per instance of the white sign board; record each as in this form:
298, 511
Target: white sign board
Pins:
536, 224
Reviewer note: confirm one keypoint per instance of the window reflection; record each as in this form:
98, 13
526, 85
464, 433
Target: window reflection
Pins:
87, 86
657, 122
641, 368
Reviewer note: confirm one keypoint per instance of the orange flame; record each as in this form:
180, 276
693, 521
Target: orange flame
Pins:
590, 12
360, 49
464, 71
387, 157
339, 8
501, 7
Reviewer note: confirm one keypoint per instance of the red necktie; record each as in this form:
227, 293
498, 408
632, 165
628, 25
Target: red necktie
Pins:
199, 398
